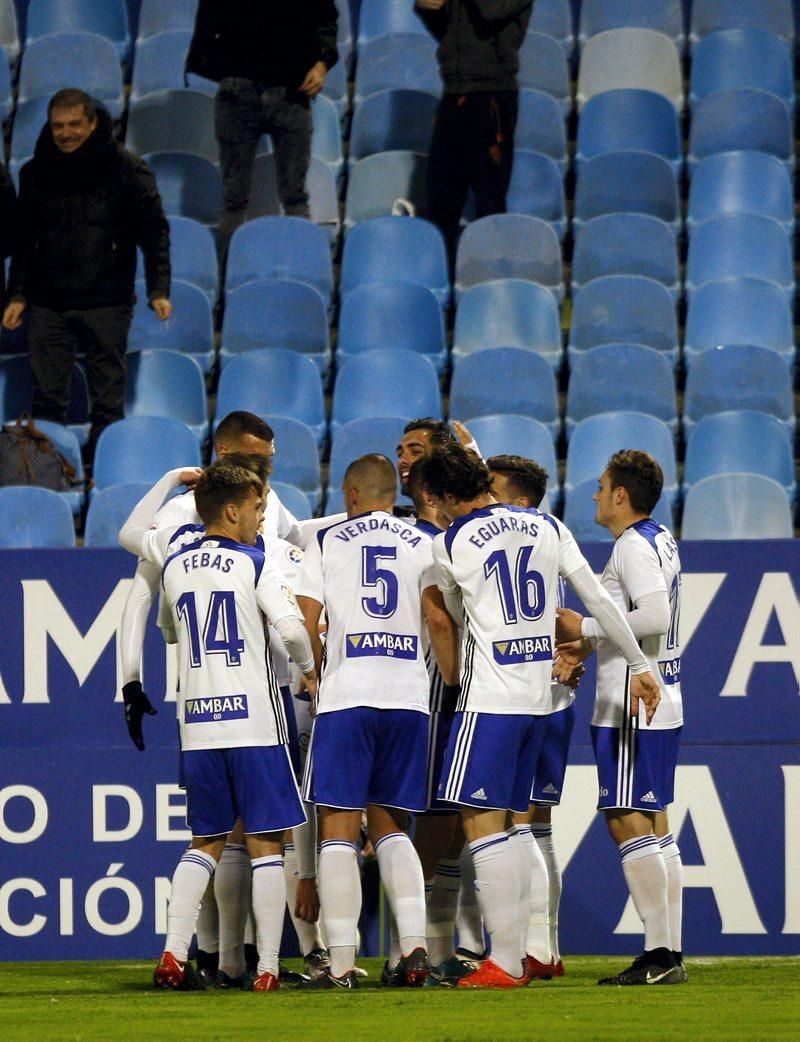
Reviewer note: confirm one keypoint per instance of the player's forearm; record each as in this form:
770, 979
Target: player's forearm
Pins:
443, 634
611, 619
132, 534
304, 531
295, 640
134, 619
650, 618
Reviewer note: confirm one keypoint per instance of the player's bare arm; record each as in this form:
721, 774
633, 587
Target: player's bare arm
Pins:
443, 633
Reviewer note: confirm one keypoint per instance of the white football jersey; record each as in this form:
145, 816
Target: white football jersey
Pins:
219, 593
279, 523
369, 573
287, 559
505, 562
644, 560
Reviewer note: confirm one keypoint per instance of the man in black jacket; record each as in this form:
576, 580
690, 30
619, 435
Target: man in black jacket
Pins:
84, 205
270, 61
473, 138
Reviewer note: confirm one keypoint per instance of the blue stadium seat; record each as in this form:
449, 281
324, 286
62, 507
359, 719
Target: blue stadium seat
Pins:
190, 185
739, 311
143, 448
335, 88
393, 120
323, 201
280, 248
193, 254
72, 57
357, 438
326, 137
518, 436
9, 31
108, 19
740, 182
274, 383
599, 381
629, 120
508, 313
173, 121
627, 182
523, 383
739, 376
579, 513
6, 97
742, 58
67, 444
297, 458
376, 181
166, 383
630, 58
554, 18
737, 506
403, 60
293, 498
396, 249
509, 246
598, 437
189, 329
537, 189
379, 18
543, 67
403, 314
29, 119
709, 16
624, 309
740, 118
16, 395
385, 383
742, 442
157, 17
625, 244
599, 15
109, 510
276, 313
34, 517
740, 244
540, 126
159, 65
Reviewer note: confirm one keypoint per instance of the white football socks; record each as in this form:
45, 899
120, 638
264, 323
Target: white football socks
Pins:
672, 859
401, 874
442, 901
543, 835
498, 883
207, 928
233, 888
646, 876
269, 905
534, 920
340, 902
188, 886
469, 924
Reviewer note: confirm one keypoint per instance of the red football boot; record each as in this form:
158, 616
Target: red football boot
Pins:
535, 970
266, 982
490, 975
180, 976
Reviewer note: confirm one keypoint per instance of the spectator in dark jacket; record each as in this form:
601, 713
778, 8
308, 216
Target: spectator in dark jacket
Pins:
85, 204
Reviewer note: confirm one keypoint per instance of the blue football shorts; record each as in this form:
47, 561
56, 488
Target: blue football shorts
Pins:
635, 766
548, 779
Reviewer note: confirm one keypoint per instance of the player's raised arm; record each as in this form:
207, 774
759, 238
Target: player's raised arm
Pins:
135, 533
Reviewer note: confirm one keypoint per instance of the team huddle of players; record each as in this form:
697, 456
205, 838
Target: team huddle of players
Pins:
438, 665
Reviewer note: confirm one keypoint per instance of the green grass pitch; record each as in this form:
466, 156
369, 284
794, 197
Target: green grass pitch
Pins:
729, 999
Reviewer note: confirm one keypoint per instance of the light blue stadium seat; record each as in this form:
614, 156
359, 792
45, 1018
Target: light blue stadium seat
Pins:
579, 513
740, 118
739, 311
624, 309
173, 121
630, 58
159, 65
16, 394
379, 18
403, 314
522, 383
540, 126
627, 182
509, 246
72, 57
740, 441
143, 448
297, 458
396, 249
402, 60
188, 330
554, 18
280, 248
389, 382
507, 434
737, 506
326, 137
738, 376
740, 244
193, 254
274, 383
357, 438
595, 439
709, 16
190, 185
537, 189
344, 34
166, 383
393, 120
740, 182
629, 120
508, 313
377, 181
323, 201
666, 17
9, 31
108, 19
625, 244
276, 313
29, 119
600, 381
34, 517
335, 88
543, 67
6, 97
157, 17
734, 58
294, 499
109, 510
67, 444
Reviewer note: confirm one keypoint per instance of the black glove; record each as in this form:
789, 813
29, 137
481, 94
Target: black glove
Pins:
136, 705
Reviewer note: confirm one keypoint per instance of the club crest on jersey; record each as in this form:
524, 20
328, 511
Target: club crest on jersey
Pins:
522, 649
216, 708
391, 645
295, 554
288, 593
671, 670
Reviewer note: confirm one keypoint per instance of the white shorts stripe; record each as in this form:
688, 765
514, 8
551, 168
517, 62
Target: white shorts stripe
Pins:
460, 757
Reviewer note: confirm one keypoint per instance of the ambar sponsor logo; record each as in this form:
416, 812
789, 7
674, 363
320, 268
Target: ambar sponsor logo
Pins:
522, 649
392, 645
221, 707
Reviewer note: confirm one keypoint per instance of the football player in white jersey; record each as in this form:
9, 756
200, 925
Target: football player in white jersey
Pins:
373, 575
219, 589
498, 567
636, 765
